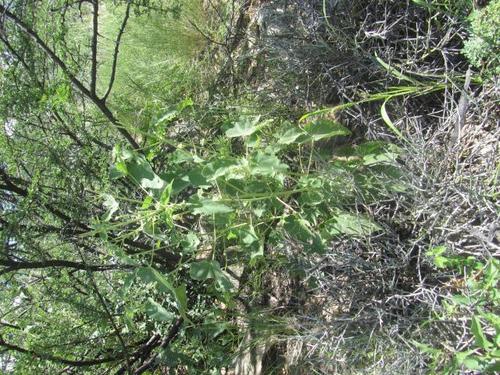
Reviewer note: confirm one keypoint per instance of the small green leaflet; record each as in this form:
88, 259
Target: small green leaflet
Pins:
321, 129
206, 270
250, 241
165, 195
111, 205
436, 253
245, 126
210, 207
148, 201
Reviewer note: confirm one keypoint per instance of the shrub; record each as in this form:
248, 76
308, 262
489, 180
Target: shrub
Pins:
483, 47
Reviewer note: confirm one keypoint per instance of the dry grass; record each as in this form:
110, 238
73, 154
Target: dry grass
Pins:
371, 297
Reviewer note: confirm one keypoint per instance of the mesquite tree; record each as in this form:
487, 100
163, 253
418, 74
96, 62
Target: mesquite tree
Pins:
61, 306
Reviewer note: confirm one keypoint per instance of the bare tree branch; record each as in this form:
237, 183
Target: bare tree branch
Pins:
11, 266
117, 50
171, 335
95, 33
112, 321
77, 83
75, 363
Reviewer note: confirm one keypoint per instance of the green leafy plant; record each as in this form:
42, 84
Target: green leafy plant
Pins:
483, 46
477, 301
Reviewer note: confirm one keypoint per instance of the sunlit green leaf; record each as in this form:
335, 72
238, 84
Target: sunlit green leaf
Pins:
190, 242
350, 224
157, 312
111, 205
289, 135
210, 207
477, 330
165, 195
245, 126
321, 129
205, 270
267, 165
299, 229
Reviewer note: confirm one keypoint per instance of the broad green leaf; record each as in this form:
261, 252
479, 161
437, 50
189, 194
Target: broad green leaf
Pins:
190, 242
180, 156
245, 126
477, 330
321, 129
196, 178
472, 363
250, 241
157, 312
118, 170
256, 249
205, 270
142, 172
264, 164
350, 224
289, 136
247, 235
202, 271
227, 168
181, 180
377, 152
150, 275
139, 169
468, 360
253, 140
210, 207
299, 229
181, 299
